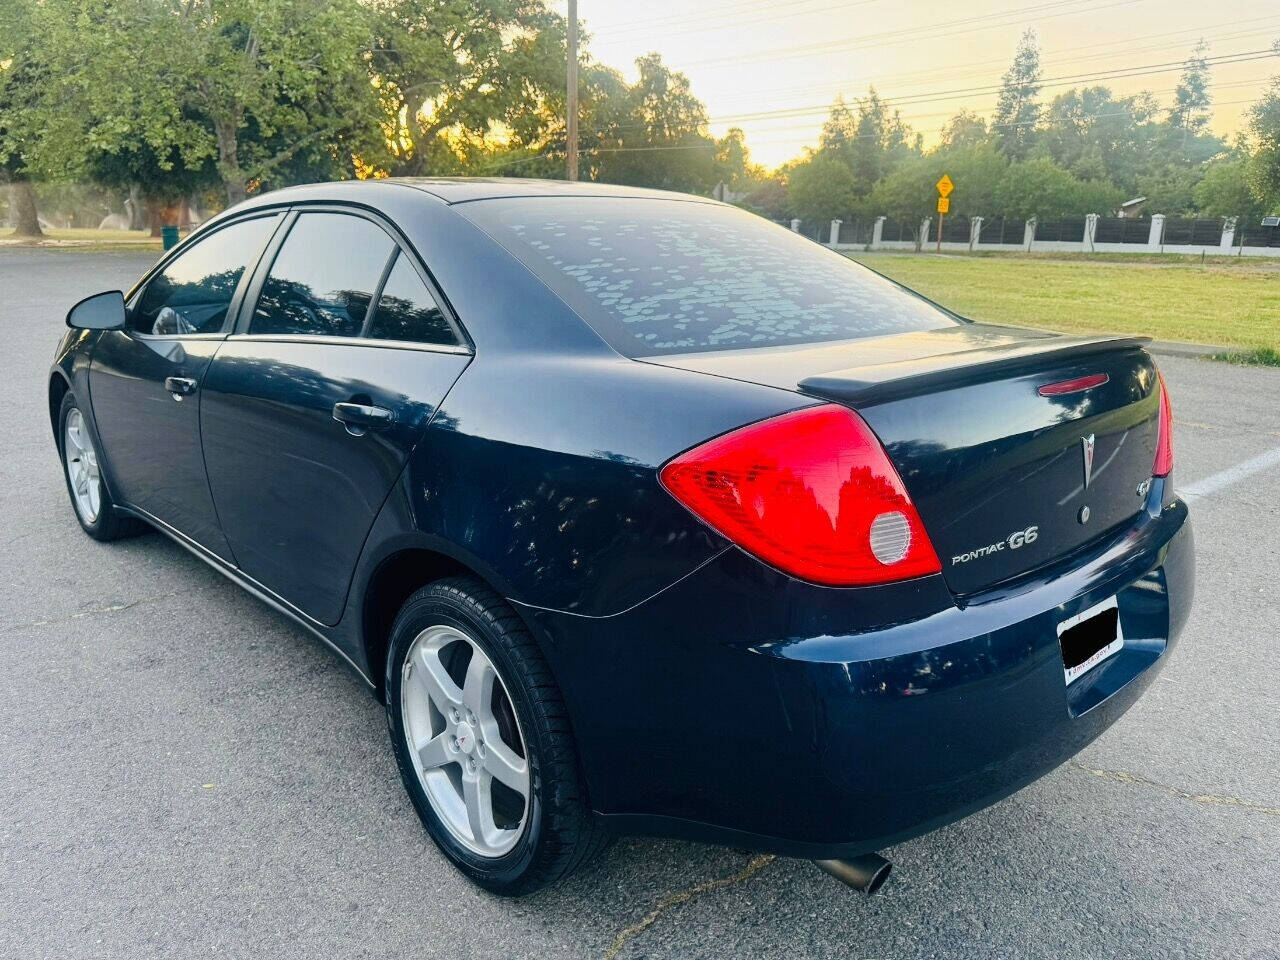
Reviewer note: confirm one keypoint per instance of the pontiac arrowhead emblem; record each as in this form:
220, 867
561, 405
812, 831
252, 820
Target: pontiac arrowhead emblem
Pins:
1087, 444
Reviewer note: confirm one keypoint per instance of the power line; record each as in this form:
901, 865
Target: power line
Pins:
646, 30
658, 148
950, 113
677, 18
812, 125
926, 75
958, 93
1121, 73
945, 28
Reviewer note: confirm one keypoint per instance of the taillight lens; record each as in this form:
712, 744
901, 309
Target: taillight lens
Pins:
812, 493
1164, 438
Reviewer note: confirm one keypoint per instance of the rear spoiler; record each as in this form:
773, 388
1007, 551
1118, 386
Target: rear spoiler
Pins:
881, 382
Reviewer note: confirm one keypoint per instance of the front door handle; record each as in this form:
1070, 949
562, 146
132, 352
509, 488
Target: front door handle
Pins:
180, 387
361, 417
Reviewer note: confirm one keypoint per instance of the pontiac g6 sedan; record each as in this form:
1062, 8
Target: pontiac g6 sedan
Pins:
641, 513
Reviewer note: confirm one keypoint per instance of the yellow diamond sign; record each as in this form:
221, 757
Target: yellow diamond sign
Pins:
945, 186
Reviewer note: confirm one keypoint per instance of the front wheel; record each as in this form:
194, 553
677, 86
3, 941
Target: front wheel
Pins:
82, 468
482, 740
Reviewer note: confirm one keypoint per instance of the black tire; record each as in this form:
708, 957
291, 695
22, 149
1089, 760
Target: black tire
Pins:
111, 523
561, 833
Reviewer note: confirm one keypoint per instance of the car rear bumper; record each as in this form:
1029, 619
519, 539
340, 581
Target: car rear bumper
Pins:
744, 707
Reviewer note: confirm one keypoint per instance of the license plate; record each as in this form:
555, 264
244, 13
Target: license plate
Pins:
1090, 637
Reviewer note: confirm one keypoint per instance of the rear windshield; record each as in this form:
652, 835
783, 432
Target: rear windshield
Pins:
666, 276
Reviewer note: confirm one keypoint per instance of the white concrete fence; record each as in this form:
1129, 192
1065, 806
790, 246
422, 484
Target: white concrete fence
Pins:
1156, 240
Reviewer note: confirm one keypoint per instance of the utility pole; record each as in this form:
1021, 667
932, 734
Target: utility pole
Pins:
571, 103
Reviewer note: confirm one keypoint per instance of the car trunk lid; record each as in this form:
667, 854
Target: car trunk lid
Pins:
1007, 474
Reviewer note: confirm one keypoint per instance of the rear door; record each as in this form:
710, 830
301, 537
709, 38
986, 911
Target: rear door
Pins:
311, 408
145, 381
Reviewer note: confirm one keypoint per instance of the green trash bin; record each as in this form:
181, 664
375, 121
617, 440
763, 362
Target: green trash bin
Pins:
169, 237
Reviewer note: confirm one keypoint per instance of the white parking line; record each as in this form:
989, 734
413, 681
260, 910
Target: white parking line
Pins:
1231, 475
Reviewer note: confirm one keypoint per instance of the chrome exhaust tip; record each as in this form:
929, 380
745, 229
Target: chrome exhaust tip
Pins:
865, 874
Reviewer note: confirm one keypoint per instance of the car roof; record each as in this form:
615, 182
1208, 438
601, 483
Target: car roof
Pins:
464, 189
461, 190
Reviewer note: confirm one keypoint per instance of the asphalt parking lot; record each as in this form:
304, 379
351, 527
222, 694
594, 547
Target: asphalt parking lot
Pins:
184, 773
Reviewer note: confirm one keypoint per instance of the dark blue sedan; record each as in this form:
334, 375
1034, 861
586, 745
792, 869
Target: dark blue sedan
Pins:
640, 513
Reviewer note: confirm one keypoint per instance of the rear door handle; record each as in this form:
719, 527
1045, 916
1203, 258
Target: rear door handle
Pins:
359, 417
180, 387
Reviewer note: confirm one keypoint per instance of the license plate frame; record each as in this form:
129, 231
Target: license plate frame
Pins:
1088, 639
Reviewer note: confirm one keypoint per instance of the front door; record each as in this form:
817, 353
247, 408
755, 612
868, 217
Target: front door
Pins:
145, 381
309, 414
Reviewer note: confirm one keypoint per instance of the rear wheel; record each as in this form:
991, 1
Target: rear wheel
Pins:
483, 742
81, 466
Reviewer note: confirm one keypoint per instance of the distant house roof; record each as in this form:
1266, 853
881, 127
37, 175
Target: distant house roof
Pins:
1133, 203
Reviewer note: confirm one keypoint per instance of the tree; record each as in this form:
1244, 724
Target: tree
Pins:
907, 194
964, 129
1017, 110
280, 81
733, 162
455, 73
661, 140
270, 89
1189, 116
1264, 125
821, 189
1040, 188
769, 198
839, 132
869, 150
866, 138
23, 74
160, 181
976, 170
1224, 191
1096, 136
1171, 190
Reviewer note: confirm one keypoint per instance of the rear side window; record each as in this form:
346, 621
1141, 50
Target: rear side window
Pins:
407, 311
667, 276
193, 291
324, 278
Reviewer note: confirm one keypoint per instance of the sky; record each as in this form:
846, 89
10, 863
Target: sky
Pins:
773, 67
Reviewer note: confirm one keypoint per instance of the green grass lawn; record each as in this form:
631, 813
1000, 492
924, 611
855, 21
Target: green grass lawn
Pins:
1232, 302
74, 238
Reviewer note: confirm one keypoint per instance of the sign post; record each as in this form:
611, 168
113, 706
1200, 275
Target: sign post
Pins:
945, 186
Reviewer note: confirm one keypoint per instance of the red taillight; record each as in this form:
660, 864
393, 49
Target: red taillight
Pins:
1164, 438
811, 493
1063, 387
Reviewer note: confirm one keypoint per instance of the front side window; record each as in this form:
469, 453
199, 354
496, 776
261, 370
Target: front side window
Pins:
323, 278
667, 276
192, 293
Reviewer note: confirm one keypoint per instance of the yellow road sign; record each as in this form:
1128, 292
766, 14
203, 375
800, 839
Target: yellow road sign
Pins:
945, 186
944, 204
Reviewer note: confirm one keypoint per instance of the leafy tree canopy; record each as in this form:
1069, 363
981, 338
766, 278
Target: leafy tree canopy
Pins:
822, 189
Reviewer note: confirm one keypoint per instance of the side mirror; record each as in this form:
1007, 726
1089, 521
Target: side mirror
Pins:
102, 311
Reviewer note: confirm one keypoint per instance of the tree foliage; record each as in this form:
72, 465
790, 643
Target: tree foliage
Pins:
454, 74
662, 140
822, 189
170, 98
1041, 188
1017, 109
1264, 127
1224, 191
1189, 114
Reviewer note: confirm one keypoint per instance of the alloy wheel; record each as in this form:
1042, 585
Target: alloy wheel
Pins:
465, 740
82, 467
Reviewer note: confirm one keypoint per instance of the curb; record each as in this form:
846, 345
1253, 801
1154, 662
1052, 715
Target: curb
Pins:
1171, 348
